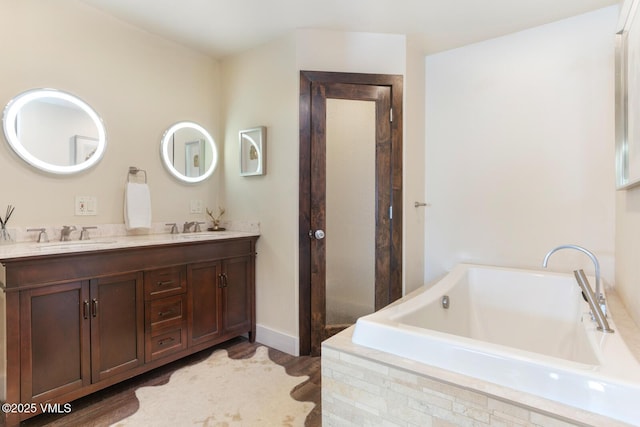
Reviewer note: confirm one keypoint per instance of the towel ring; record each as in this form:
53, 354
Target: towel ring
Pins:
134, 171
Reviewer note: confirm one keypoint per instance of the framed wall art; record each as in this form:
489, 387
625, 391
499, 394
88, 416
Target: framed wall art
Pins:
253, 147
628, 96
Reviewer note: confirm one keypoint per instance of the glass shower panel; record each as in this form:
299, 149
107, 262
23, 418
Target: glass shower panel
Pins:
350, 210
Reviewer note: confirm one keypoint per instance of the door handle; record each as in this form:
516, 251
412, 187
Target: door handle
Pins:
318, 234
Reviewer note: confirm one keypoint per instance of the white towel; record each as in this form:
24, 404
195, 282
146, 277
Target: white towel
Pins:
137, 206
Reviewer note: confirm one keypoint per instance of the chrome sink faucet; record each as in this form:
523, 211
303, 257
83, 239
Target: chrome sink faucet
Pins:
598, 294
65, 233
186, 228
42, 234
84, 234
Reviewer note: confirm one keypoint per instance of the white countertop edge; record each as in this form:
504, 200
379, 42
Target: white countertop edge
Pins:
31, 249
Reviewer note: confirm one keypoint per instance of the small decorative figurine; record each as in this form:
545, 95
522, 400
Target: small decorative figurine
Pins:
216, 219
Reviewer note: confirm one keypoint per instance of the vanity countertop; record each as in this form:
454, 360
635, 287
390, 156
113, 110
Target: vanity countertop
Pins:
32, 249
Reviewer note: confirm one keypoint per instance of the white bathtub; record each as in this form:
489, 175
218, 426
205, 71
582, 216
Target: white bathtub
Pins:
523, 329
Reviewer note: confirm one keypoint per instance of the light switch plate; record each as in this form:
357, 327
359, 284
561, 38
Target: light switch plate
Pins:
86, 205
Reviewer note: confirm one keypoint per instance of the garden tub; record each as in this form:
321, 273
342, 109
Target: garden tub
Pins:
527, 330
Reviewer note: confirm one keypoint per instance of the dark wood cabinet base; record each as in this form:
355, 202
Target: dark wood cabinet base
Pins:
77, 323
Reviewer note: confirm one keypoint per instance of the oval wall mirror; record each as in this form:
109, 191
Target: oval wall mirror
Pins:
189, 152
54, 131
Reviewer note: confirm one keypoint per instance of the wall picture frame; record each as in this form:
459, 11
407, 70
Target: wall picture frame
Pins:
194, 157
253, 148
82, 148
627, 145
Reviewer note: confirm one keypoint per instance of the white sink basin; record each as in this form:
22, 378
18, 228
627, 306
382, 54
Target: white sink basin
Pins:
200, 236
76, 244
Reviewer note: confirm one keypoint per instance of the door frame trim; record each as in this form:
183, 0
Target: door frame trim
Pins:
307, 78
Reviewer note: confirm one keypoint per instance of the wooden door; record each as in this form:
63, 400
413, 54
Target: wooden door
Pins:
385, 92
203, 309
54, 328
116, 308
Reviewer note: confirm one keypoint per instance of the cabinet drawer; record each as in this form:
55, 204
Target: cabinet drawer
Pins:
164, 282
164, 312
166, 343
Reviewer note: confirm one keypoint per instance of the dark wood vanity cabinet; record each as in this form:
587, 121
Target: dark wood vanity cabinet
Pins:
78, 333
77, 323
165, 293
115, 311
224, 285
57, 354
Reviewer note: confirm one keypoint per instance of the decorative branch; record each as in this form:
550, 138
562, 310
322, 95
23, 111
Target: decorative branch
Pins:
216, 219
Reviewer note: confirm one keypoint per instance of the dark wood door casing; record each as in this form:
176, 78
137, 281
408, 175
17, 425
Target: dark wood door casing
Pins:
315, 87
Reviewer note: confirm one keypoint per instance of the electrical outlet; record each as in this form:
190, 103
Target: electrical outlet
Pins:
86, 205
196, 207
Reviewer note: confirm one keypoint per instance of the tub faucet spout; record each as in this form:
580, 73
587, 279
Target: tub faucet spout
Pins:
599, 296
596, 311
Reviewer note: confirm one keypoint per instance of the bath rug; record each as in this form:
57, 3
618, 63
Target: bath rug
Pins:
220, 391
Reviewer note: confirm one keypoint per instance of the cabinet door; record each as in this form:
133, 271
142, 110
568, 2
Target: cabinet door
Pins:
55, 351
237, 295
117, 324
204, 293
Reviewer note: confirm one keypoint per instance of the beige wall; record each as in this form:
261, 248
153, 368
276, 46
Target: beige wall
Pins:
628, 249
509, 174
261, 89
139, 83
520, 148
413, 169
628, 234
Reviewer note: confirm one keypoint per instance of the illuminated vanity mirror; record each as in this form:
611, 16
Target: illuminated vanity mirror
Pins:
189, 152
252, 151
54, 131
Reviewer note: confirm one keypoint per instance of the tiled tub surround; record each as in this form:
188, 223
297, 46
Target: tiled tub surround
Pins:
365, 386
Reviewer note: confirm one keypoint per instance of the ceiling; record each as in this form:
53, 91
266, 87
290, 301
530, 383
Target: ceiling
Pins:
225, 27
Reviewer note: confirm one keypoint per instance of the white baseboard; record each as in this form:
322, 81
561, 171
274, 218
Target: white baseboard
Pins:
278, 340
